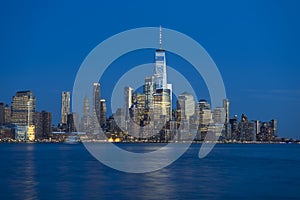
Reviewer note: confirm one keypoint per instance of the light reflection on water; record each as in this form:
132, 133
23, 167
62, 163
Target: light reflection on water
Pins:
24, 179
60, 171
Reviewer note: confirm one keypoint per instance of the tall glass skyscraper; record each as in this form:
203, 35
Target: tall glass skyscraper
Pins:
163, 91
65, 107
160, 68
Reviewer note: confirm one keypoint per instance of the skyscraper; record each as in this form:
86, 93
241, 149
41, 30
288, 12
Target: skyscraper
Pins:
186, 105
162, 90
205, 118
219, 115
160, 66
23, 106
96, 101
128, 95
226, 109
43, 124
227, 125
65, 107
102, 113
86, 119
72, 123
148, 91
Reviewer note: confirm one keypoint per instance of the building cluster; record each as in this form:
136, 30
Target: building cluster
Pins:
90, 122
148, 116
21, 121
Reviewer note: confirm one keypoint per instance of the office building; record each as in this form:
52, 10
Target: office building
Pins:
22, 108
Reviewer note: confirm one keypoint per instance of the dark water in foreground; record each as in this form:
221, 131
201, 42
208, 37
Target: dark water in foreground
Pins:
230, 171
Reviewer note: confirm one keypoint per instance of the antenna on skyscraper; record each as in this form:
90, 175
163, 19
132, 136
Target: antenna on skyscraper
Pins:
160, 37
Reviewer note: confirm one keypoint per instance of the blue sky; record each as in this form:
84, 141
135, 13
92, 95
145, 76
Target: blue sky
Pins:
255, 45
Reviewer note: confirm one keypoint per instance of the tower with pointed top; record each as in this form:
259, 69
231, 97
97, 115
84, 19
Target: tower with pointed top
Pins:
160, 66
162, 97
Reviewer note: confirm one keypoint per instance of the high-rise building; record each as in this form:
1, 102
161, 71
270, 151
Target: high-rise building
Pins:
7, 114
22, 108
86, 118
226, 109
102, 113
148, 91
205, 118
234, 127
72, 122
247, 131
162, 104
186, 105
227, 125
162, 97
96, 101
65, 107
219, 115
273, 126
128, 97
1, 113
160, 66
43, 124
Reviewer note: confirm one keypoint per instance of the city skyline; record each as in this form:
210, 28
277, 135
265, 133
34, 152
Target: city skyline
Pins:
144, 116
255, 53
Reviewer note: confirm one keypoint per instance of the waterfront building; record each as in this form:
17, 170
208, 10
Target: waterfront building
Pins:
23, 107
43, 124
72, 122
21, 132
30, 136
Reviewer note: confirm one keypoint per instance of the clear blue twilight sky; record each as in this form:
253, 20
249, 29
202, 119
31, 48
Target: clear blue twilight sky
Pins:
254, 43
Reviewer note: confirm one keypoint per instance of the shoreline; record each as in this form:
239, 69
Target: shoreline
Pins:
149, 142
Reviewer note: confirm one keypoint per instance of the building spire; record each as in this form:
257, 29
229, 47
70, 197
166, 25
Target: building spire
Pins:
160, 37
